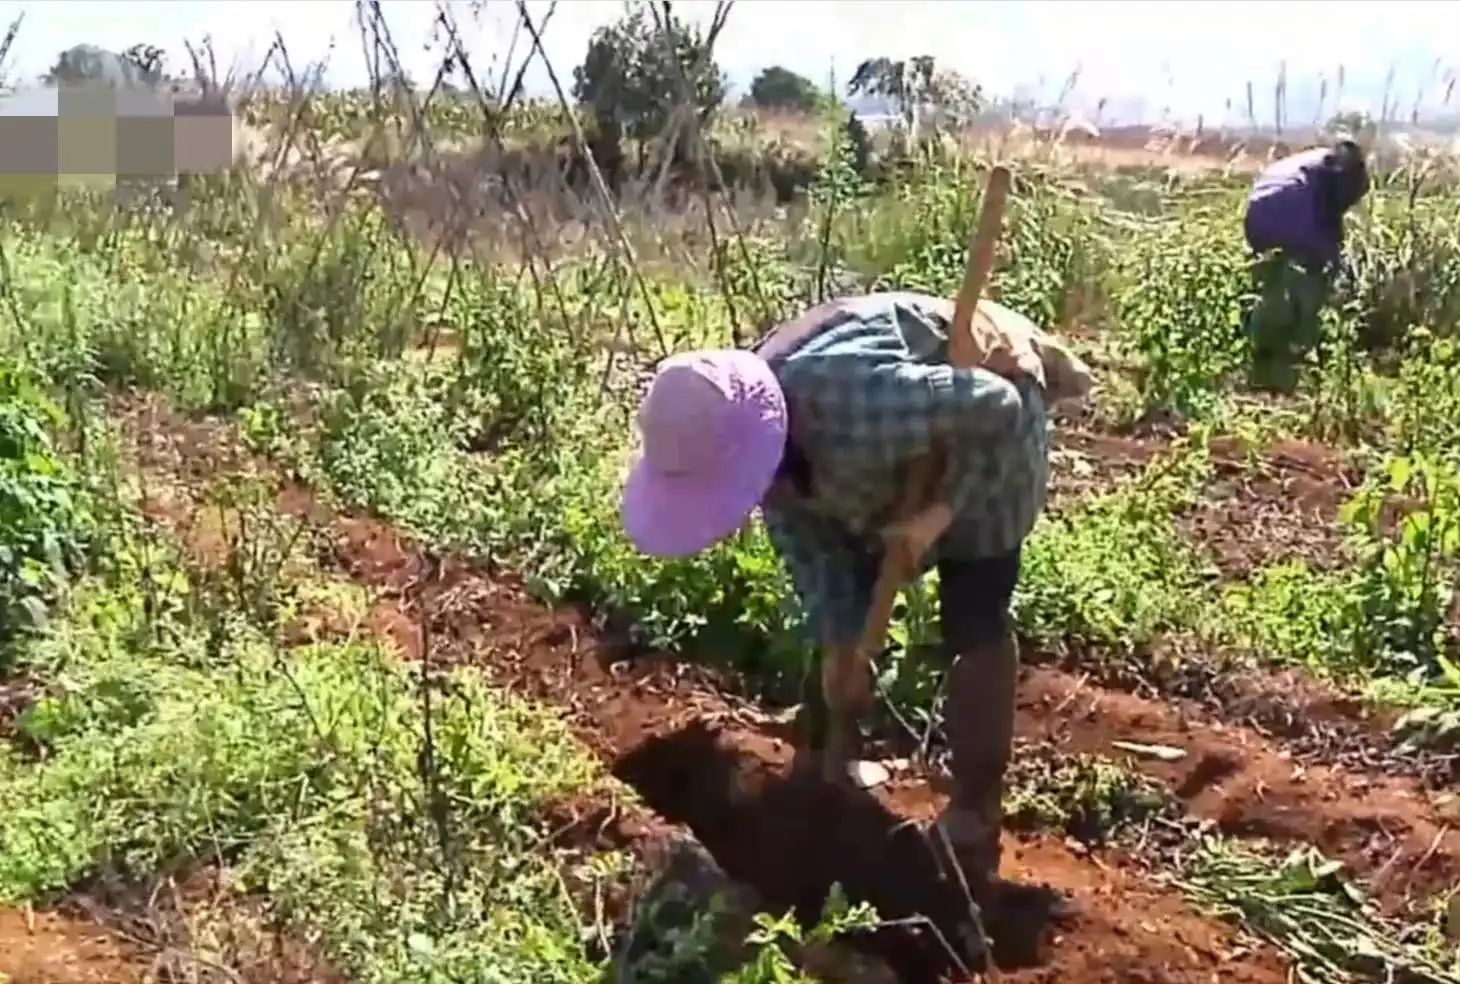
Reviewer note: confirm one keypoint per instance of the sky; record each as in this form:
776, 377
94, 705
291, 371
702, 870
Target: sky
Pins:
1152, 59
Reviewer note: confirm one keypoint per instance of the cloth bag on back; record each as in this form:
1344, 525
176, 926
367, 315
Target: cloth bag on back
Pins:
1009, 343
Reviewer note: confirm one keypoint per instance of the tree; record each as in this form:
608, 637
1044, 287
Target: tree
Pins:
86, 64
149, 59
895, 79
919, 89
629, 81
780, 88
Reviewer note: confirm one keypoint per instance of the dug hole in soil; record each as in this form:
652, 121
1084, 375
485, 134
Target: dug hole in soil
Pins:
791, 837
700, 759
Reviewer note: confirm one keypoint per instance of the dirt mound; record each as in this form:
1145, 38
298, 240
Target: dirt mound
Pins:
1316, 721
1263, 505
1385, 828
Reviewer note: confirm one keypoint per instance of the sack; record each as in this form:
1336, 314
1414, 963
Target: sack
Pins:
1010, 344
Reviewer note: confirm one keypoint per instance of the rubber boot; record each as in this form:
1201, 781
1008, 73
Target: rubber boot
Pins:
979, 723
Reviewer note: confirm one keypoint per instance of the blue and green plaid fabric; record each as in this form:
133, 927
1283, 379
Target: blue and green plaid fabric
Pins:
868, 394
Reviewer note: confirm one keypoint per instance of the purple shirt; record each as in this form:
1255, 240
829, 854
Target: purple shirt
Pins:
1297, 205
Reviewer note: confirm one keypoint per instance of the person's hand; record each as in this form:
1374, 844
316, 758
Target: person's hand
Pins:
908, 541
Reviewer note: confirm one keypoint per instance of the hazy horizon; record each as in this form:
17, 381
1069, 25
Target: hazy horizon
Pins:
1136, 56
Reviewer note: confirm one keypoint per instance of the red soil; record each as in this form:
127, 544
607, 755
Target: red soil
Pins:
1262, 506
48, 948
700, 758
1385, 828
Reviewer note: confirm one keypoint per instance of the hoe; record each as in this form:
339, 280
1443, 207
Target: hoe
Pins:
965, 349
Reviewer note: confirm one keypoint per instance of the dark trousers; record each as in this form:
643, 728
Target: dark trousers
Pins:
979, 716
1284, 319
974, 598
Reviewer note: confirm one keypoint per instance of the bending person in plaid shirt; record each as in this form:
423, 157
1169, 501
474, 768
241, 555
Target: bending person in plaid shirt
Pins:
816, 426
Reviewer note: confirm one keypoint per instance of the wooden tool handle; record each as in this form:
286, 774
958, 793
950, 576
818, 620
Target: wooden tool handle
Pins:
981, 251
919, 485
922, 478
924, 473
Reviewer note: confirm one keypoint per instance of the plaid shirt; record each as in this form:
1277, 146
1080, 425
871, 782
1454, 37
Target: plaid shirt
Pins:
866, 394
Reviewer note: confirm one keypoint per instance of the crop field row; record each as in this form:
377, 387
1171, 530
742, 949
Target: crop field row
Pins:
325, 657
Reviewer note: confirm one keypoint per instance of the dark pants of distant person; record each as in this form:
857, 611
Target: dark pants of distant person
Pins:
1284, 321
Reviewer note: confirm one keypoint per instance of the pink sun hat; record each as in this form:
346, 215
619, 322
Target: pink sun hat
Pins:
714, 429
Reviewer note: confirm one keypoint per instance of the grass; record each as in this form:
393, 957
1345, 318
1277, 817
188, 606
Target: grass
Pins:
483, 404
166, 736
1303, 904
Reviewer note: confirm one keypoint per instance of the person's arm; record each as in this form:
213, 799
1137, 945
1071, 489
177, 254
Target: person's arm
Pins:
827, 569
1328, 248
1340, 181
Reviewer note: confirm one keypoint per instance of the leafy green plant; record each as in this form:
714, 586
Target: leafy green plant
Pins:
1424, 411
1114, 570
1384, 613
1179, 305
43, 514
1404, 270
772, 935
1403, 585
1083, 797
304, 779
